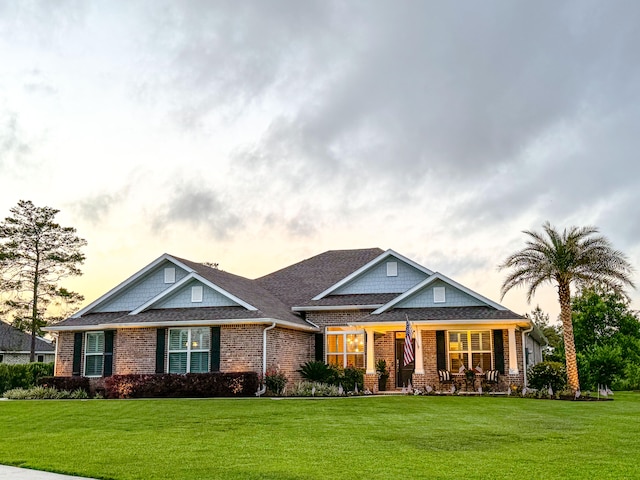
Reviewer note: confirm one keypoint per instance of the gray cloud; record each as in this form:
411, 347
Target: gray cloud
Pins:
14, 148
199, 208
96, 208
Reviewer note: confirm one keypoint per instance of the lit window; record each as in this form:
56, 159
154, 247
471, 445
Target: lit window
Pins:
196, 294
345, 349
94, 354
392, 269
189, 350
439, 295
170, 275
470, 349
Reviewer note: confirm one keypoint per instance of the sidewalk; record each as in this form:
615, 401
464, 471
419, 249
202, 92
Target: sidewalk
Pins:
15, 473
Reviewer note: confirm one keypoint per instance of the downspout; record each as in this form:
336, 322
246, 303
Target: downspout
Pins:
264, 349
524, 353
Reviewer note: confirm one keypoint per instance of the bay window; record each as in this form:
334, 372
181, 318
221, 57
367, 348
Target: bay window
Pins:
189, 350
471, 349
345, 349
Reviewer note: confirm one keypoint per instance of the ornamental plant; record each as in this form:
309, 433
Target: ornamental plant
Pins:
275, 381
547, 374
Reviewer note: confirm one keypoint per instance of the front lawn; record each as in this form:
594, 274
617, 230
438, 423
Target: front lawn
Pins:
365, 437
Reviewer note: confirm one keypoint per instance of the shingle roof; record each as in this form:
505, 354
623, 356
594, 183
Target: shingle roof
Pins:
351, 299
297, 284
13, 340
442, 314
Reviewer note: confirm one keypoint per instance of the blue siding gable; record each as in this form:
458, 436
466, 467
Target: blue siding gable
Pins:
453, 298
181, 298
376, 280
143, 290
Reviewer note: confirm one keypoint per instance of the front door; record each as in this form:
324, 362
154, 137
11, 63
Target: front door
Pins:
403, 374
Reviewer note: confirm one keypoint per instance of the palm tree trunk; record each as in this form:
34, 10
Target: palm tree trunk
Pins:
564, 293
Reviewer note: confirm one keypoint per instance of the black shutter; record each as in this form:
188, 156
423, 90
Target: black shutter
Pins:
77, 354
108, 353
441, 349
319, 347
161, 339
215, 349
498, 351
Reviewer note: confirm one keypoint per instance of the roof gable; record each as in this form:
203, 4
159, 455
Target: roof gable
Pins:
370, 274
179, 296
422, 295
138, 288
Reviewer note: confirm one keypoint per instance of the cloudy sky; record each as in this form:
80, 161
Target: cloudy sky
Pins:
257, 134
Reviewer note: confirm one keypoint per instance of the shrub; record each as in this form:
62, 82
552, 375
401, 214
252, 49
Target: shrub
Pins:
352, 376
33, 393
314, 389
190, 385
275, 381
316, 372
66, 383
22, 375
547, 374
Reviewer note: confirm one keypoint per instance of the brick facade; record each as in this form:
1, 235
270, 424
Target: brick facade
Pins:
64, 354
134, 351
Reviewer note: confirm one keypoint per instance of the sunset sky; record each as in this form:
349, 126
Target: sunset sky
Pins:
256, 134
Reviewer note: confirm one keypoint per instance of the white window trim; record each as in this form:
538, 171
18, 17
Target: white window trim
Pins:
344, 354
170, 275
392, 269
439, 295
188, 348
197, 294
469, 350
87, 354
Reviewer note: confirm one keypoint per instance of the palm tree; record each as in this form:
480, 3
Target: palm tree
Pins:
576, 256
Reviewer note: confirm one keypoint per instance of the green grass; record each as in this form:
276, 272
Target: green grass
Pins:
373, 438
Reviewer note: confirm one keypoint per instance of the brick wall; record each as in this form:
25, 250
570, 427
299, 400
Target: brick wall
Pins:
134, 351
288, 349
64, 358
241, 348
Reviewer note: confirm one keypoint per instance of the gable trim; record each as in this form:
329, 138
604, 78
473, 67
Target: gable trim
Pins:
372, 263
118, 288
426, 282
178, 285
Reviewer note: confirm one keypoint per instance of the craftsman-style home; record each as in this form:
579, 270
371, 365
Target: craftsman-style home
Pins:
345, 307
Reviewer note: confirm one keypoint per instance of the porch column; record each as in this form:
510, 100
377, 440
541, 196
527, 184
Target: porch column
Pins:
513, 356
371, 364
419, 370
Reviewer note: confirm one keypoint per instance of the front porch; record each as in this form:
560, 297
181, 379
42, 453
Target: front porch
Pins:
445, 347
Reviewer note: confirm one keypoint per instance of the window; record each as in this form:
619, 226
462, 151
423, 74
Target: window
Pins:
189, 350
1, 358
345, 349
470, 349
196, 294
392, 269
94, 354
439, 295
40, 358
170, 275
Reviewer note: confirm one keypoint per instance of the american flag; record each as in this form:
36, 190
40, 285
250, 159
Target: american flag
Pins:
408, 346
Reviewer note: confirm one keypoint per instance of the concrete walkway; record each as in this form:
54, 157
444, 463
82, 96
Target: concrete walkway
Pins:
15, 473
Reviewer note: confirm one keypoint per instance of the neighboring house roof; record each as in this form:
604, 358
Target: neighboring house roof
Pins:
13, 340
297, 284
